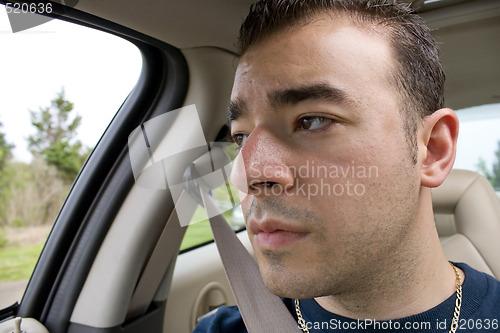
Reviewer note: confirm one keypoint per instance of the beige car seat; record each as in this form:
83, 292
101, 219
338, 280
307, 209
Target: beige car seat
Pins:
467, 214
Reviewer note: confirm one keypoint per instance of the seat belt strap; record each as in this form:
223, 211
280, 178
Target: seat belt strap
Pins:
261, 311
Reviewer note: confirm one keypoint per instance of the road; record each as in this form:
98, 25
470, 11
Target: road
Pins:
11, 292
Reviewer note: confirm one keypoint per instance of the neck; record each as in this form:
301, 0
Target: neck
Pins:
418, 280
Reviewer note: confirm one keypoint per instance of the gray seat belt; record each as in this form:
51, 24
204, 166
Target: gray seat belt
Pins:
261, 311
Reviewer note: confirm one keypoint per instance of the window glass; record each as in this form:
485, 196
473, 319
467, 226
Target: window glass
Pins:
479, 141
61, 85
200, 232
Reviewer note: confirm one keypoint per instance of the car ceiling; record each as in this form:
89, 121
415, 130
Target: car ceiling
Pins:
467, 32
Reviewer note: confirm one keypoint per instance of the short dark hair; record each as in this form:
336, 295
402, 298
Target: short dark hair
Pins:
419, 75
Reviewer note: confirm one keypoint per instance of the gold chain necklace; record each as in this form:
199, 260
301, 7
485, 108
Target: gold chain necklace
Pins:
454, 321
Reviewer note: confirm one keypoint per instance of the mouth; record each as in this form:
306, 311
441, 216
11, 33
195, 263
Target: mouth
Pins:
278, 239
274, 235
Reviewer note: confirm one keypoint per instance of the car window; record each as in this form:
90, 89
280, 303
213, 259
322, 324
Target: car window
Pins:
60, 87
479, 141
199, 231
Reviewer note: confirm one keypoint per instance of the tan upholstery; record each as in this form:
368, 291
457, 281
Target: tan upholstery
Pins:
467, 213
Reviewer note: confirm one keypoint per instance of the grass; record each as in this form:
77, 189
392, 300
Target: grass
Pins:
18, 263
200, 232
196, 234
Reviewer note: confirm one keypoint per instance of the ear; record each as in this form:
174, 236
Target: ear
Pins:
438, 146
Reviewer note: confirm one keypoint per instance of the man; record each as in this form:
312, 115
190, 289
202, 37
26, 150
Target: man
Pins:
338, 110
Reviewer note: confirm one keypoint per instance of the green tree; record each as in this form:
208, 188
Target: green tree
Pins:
494, 175
5, 149
5, 156
55, 140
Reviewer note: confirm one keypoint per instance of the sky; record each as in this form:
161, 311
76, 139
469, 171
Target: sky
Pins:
96, 70
478, 137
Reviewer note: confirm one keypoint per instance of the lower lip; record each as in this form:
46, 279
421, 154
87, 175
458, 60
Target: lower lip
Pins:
277, 239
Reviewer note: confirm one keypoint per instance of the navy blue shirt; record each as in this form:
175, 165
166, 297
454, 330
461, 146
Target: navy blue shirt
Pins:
480, 312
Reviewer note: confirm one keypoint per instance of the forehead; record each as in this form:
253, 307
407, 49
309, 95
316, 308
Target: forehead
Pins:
338, 51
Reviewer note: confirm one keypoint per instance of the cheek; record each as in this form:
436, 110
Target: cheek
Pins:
361, 179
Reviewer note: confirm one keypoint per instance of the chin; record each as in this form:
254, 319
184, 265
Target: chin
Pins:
292, 293
287, 285
283, 292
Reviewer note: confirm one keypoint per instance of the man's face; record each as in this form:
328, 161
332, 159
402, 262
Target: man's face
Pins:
332, 190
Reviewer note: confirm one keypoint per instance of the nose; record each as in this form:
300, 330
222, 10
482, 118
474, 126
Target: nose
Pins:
262, 166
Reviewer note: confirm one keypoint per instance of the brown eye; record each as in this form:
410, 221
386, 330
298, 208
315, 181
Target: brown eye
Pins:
313, 122
239, 139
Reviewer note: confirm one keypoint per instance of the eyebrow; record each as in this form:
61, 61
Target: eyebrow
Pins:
236, 109
314, 92
293, 96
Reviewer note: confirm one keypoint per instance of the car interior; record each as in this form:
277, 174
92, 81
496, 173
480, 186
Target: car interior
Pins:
112, 261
